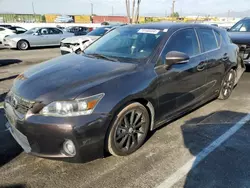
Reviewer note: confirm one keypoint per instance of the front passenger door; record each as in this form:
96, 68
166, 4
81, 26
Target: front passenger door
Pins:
55, 36
183, 84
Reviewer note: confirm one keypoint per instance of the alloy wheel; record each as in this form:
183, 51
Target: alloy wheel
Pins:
228, 85
129, 130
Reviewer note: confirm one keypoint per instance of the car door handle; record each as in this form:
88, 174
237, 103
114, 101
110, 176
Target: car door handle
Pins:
201, 66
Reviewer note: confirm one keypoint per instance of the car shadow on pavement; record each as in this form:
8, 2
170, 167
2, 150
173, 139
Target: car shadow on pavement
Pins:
227, 165
44, 47
5, 62
8, 78
9, 148
13, 186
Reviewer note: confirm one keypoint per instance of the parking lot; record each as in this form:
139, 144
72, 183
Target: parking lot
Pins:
206, 148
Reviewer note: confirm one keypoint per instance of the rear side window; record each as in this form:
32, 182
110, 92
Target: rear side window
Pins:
208, 39
54, 31
184, 41
218, 38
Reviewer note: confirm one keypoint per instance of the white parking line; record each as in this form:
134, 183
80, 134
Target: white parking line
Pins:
183, 171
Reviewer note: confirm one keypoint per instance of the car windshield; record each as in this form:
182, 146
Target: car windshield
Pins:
241, 26
127, 44
31, 31
99, 31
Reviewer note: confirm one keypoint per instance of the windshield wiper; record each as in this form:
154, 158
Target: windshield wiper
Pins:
104, 57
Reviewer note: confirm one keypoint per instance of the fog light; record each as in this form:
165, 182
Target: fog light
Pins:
69, 148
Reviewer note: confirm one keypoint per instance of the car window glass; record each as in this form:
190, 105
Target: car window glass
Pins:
242, 26
99, 31
128, 44
2, 29
183, 41
54, 31
44, 31
208, 39
218, 38
20, 29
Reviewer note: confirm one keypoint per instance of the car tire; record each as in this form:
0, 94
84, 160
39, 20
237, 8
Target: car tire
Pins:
227, 85
129, 130
23, 45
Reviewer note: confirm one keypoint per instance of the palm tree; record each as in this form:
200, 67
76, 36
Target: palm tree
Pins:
135, 10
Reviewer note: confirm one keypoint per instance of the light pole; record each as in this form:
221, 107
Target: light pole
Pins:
112, 10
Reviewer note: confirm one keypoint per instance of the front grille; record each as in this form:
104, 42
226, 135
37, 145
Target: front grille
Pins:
19, 104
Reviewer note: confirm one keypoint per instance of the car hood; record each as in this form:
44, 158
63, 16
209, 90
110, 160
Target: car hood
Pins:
240, 37
79, 39
66, 77
17, 36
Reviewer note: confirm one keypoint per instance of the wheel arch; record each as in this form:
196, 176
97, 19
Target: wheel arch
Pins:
23, 40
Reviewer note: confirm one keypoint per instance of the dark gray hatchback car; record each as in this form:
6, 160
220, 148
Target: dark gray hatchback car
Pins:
127, 83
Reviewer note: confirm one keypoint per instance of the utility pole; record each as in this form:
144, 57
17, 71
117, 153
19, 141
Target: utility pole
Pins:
165, 13
228, 15
92, 9
173, 4
33, 9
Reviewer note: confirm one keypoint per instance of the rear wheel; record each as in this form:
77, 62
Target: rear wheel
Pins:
227, 85
22, 45
129, 130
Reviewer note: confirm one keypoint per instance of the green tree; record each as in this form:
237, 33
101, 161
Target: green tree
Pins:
175, 15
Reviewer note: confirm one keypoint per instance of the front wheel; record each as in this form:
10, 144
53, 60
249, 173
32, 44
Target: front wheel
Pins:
227, 85
129, 130
22, 45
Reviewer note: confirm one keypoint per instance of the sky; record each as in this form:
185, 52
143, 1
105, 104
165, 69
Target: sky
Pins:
104, 7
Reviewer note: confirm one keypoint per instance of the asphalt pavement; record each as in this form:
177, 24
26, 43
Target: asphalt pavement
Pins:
207, 148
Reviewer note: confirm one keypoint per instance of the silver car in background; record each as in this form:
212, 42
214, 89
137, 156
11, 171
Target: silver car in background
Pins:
37, 37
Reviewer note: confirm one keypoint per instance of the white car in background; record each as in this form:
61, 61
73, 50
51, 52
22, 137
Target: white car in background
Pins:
5, 32
64, 19
77, 44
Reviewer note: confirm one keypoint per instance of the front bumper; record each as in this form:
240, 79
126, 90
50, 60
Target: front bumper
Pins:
65, 50
9, 43
44, 136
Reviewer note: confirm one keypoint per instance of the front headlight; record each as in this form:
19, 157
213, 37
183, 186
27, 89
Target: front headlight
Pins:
76, 107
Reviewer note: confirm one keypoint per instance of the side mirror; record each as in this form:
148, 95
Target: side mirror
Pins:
175, 57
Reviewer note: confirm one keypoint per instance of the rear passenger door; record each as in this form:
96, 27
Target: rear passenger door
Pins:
183, 84
211, 42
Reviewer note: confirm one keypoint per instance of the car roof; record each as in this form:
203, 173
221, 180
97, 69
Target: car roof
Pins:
169, 25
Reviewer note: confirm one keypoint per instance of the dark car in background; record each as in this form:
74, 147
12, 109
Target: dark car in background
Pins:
79, 30
5, 25
129, 82
17, 29
240, 35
